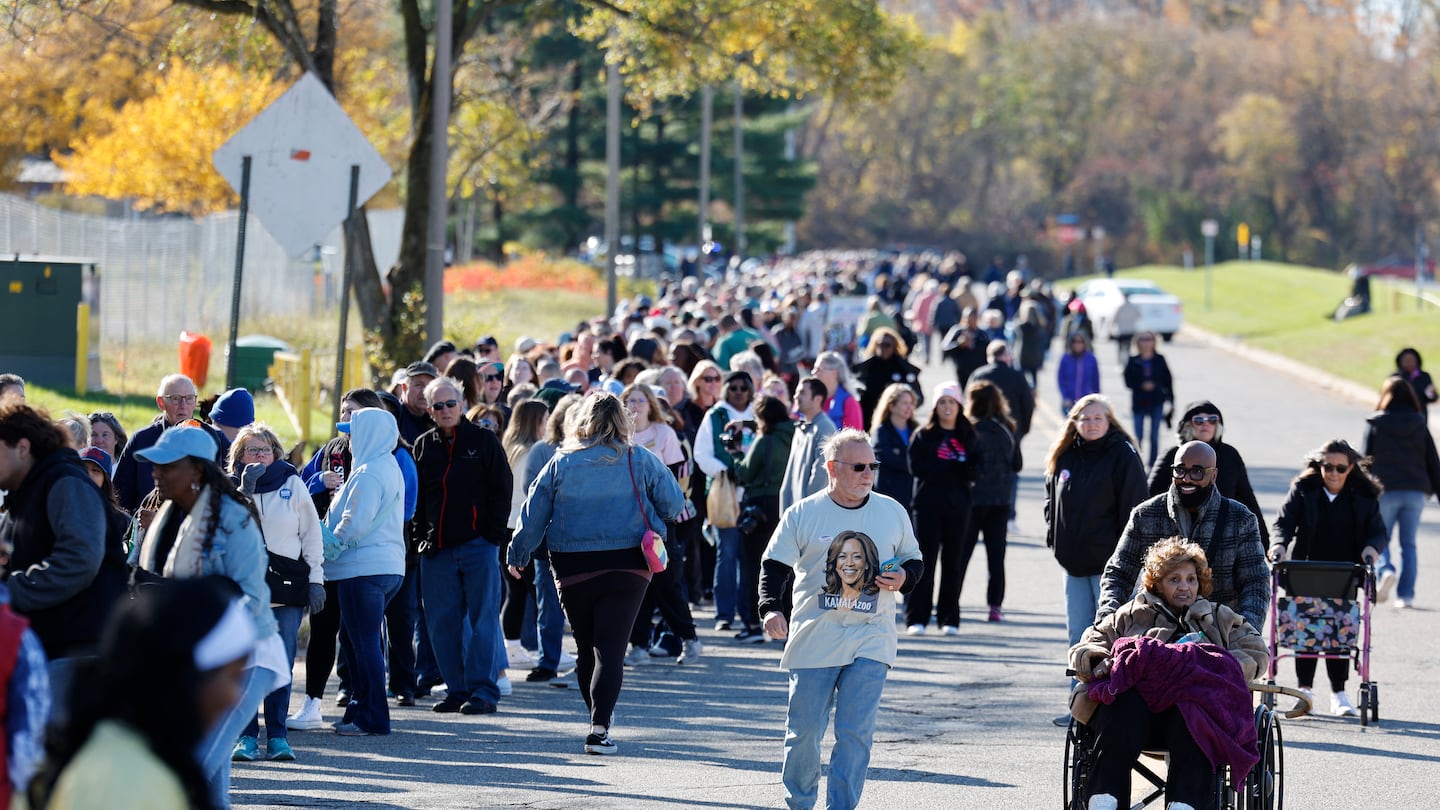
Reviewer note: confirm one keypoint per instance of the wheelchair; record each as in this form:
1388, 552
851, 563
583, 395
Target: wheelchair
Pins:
1325, 614
1262, 788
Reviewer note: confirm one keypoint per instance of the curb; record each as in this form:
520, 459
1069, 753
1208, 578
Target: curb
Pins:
1350, 390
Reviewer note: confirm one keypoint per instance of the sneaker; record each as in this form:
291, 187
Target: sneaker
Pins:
722, 626
691, 651
637, 657
541, 675
1103, 801
342, 700
1340, 706
1403, 604
351, 730
996, 615
308, 718
599, 744
753, 635
1309, 698
949, 630
247, 749
280, 751
915, 630
518, 655
1012, 528
477, 706
1063, 721
404, 699
449, 705
1386, 588
503, 684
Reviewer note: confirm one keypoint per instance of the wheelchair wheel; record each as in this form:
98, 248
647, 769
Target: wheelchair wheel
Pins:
1264, 785
1078, 744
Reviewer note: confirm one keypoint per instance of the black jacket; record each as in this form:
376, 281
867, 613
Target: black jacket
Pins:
465, 488
1402, 452
1159, 374
894, 478
876, 373
133, 479
944, 483
1088, 499
1231, 478
1359, 526
966, 357
1000, 462
1016, 390
66, 585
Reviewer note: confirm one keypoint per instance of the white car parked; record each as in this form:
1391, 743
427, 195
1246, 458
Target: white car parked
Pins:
1160, 312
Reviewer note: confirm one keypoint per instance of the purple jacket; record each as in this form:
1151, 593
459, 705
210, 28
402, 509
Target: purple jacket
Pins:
1203, 680
1078, 376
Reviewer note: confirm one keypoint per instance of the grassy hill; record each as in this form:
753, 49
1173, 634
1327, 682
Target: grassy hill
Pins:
1286, 309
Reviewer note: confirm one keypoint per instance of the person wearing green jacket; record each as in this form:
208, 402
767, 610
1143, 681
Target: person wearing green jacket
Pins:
761, 472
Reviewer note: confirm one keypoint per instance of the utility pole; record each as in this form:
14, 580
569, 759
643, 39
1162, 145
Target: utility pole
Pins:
739, 171
439, 160
612, 181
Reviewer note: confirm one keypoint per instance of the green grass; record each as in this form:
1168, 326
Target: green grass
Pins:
1286, 309
130, 373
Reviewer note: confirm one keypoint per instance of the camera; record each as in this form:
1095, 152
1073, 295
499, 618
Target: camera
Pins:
750, 519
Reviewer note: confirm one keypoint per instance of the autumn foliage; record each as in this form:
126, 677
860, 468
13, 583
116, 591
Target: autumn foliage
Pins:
530, 273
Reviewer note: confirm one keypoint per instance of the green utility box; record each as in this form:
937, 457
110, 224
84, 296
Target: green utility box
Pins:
39, 319
253, 356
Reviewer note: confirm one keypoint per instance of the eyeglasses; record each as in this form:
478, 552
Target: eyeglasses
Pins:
179, 399
1197, 473
873, 466
444, 404
1205, 419
494, 377
1335, 468
256, 452
710, 378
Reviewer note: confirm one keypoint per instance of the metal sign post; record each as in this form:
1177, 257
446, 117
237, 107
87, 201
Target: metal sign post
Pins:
345, 295
1209, 229
239, 271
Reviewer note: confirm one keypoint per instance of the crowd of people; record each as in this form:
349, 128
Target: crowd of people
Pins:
747, 418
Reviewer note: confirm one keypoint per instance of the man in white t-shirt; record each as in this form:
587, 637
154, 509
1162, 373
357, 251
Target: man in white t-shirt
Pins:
850, 550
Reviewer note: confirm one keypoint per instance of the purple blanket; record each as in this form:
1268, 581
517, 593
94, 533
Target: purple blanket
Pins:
1203, 680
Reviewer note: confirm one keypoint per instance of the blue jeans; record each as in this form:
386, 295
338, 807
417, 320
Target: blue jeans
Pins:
853, 691
1402, 508
461, 588
216, 747
1154, 413
1082, 597
550, 618
427, 671
277, 703
362, 616
727, 579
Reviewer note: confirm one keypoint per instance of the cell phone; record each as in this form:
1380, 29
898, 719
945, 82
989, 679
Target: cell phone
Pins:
337, 463
892, 564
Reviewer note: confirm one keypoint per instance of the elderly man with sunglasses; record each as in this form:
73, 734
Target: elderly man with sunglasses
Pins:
1193, 508
460, 522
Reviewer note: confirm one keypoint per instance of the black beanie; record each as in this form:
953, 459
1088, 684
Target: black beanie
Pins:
1201, 406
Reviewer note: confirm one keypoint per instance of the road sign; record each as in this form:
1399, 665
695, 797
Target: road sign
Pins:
1210, 228
301, 148
1242, 236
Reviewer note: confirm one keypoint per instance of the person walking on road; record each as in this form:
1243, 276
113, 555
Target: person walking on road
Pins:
1147, 375
1407, 368
1078, 374
850, 550
990, 504
1403, 457
1203, 422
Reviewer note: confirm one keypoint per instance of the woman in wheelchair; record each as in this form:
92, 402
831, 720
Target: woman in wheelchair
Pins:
1143, 684
1332, 514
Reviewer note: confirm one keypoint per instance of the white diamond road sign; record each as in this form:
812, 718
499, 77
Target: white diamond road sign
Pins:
301, 148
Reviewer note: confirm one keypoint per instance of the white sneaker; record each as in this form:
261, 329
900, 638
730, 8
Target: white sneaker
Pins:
1103, 801
503, 684
308, 718
1340, 706
518, 655
949, 630
1386, 588
1179, 806
1310, 697
1012, 528
915, 630
691, 652
637, 657
1403, 604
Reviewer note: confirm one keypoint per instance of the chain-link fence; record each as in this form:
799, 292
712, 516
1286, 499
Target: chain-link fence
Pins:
159, 276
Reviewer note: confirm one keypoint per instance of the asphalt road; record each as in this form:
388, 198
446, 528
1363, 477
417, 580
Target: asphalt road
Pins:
965, 721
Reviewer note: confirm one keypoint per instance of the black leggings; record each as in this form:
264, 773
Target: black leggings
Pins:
1337, 668
602, 611
1124, 728
320, 654
991, 520
519, 594
666, 594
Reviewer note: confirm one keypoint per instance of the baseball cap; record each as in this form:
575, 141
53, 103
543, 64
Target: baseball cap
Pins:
180, 442
420, 368
487, 340
99, 458
524, 344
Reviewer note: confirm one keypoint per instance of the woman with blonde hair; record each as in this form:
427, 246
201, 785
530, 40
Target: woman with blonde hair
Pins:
1093, 478
890, 431
594, 544
842, 407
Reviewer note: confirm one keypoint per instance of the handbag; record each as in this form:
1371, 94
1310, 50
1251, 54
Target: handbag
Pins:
651, 544
722, 502
289, 580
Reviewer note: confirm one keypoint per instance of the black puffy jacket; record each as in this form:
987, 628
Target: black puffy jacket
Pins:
1402, 452
1088, 499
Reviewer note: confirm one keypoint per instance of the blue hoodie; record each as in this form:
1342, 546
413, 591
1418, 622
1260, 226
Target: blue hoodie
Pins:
366, 513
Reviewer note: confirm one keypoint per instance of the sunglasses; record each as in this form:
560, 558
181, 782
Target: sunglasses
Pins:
1180, 472
710, 378
444, 404
873, 466
494, 377
739, 389
1205, 419
1335, 468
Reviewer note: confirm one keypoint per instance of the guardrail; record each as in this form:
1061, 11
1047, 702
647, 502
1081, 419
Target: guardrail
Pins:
298, 384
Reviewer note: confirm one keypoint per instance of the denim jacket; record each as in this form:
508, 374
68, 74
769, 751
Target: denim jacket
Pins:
583, 501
